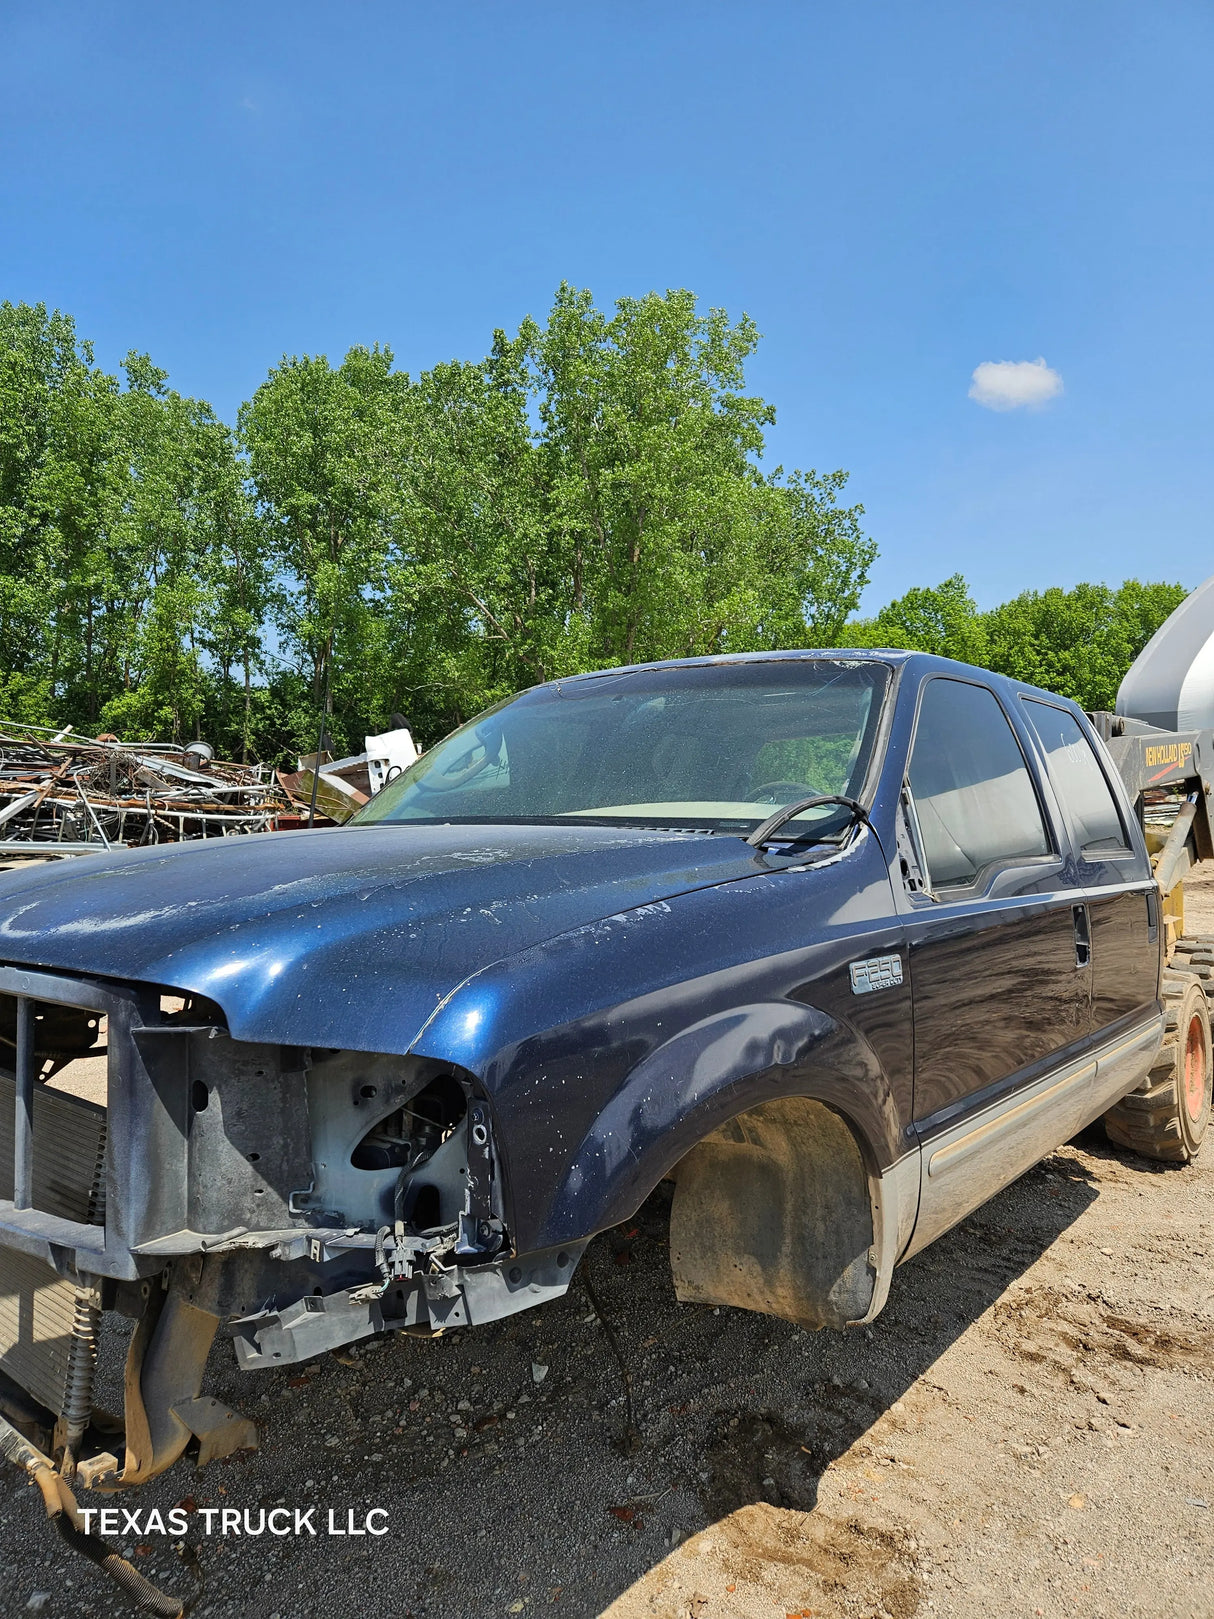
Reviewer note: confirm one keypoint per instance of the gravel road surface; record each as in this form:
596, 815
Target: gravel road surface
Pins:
1028, 1429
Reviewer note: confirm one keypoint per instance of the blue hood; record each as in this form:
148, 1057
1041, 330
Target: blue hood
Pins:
348, 937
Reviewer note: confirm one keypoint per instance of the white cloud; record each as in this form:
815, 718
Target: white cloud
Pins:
1014, 384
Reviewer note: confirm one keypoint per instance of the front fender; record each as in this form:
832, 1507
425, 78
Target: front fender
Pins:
677, 1095
608, 1052
724, 1065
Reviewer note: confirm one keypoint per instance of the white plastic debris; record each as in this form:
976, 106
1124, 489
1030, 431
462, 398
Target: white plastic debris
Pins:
388, 755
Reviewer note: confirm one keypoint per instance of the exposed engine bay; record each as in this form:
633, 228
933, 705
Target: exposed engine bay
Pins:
293, 1199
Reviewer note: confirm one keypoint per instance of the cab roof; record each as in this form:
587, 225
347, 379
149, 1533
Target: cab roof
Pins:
917, 663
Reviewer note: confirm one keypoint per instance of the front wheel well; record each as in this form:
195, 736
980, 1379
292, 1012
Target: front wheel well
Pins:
772, 1212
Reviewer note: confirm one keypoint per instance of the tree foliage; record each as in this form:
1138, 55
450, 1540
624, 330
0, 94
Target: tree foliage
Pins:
942, 619
1077, 642
591, 492
126, 539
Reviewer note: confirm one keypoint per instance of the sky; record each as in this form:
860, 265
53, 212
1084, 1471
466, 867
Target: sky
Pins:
977, 238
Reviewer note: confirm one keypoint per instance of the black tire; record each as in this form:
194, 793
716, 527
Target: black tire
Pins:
1168, 1115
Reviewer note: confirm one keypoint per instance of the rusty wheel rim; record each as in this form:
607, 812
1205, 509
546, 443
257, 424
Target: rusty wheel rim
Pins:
1195, 1069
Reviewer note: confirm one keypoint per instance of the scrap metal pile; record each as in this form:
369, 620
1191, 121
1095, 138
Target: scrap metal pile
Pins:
64, 794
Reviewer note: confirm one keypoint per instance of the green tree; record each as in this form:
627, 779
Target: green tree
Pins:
56, 450
647, 439
942, 619
1078, 642
589, 494
323, 446
813, 560
112, 563
477, 600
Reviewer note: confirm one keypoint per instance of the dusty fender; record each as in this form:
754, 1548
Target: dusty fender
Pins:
610, 1054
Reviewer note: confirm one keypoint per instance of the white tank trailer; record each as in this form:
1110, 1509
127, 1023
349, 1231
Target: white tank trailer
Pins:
1171, 682
1161, 738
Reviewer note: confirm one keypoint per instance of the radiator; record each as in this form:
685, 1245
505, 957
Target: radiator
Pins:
35, 1303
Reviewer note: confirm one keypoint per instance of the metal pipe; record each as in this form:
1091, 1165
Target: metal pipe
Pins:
1171, 860
23, 1120
63, 1512
324, 726
163, 809
18, 804
47, 850
16, 1448
92, 812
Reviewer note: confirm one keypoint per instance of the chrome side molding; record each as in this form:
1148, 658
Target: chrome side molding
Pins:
969, 1162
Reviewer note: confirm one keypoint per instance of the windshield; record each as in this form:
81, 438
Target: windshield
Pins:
712, 747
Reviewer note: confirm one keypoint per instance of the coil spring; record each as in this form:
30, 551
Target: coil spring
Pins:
77, 1407
81, 1367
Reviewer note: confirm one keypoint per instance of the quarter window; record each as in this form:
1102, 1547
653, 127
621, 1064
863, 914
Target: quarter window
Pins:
1081, 783
973, 796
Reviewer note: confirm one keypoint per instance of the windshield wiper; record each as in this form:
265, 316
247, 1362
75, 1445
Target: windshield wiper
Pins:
788, 812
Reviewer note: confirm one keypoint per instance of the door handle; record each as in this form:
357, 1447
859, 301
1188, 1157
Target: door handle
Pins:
1083, 936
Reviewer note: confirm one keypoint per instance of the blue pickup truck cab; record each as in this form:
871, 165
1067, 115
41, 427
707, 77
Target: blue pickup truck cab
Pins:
841, 943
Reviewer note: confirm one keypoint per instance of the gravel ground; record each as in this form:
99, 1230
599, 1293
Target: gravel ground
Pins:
1028, 1429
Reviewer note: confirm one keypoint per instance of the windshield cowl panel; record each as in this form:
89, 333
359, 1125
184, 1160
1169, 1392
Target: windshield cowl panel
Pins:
711, 747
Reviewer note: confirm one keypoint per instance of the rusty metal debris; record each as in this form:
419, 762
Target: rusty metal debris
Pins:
322, 796
335, 788
64, 794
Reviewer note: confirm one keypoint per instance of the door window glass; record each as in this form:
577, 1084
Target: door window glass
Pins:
1080, 781
973, 796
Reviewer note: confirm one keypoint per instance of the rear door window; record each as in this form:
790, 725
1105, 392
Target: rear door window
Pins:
972, 794
1080, 782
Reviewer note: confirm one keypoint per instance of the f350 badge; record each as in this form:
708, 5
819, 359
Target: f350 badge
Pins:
878, 972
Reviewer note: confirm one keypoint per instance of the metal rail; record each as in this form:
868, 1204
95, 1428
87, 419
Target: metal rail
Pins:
23, 1119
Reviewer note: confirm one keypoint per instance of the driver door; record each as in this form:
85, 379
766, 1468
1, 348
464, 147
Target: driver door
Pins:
1000, 957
